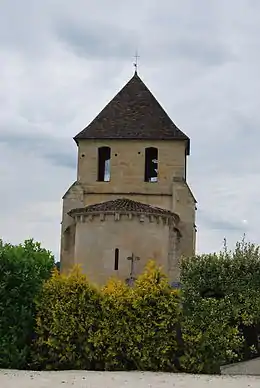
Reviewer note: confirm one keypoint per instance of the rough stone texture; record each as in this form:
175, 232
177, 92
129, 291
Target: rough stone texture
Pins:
127, 166
170, 193
183, 204
84, 379
147, 236
251, 367
93, 243
73, 198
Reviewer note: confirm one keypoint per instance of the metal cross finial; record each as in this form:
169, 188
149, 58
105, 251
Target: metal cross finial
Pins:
136, 61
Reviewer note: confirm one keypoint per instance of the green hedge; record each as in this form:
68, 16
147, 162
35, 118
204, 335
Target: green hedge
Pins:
123, 328
221, 297
234, 275
69, 311
116, 328
64, 322
23, 268
139, 329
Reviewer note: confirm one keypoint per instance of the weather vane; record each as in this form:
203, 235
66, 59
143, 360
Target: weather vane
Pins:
136, 61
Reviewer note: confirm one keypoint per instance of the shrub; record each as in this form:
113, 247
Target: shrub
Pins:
68, 315
129, 328
221, 295
116, 328
140, 323
233, 274
210, 340
157, 310
23, 268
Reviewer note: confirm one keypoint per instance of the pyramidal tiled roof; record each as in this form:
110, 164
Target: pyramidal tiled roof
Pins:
134, 113
122, 205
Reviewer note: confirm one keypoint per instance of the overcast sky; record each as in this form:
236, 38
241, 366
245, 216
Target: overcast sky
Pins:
61, 61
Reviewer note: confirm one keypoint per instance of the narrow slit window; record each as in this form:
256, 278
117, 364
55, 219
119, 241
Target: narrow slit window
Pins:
151, 165
67, 237
104, 156
116, 259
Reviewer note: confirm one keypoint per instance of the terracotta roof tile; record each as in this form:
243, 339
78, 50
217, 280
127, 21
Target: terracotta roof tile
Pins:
123, 205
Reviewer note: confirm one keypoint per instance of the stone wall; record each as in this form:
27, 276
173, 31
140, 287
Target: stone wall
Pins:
72, 199
97, 238
184, 204
127, 166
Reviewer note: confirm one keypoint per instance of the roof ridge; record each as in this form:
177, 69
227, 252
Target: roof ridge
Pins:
133, 113
122, 205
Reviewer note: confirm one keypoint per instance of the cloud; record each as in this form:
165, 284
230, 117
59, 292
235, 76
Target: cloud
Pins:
92, 42
223, 225
61, 62
57, 151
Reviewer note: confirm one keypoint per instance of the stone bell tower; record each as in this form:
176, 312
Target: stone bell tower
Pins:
131, 197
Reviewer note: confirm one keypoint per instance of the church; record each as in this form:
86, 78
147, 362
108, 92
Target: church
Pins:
131, 202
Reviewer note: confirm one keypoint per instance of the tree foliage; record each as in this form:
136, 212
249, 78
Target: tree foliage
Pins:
68, 323
23, 268
221, 296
